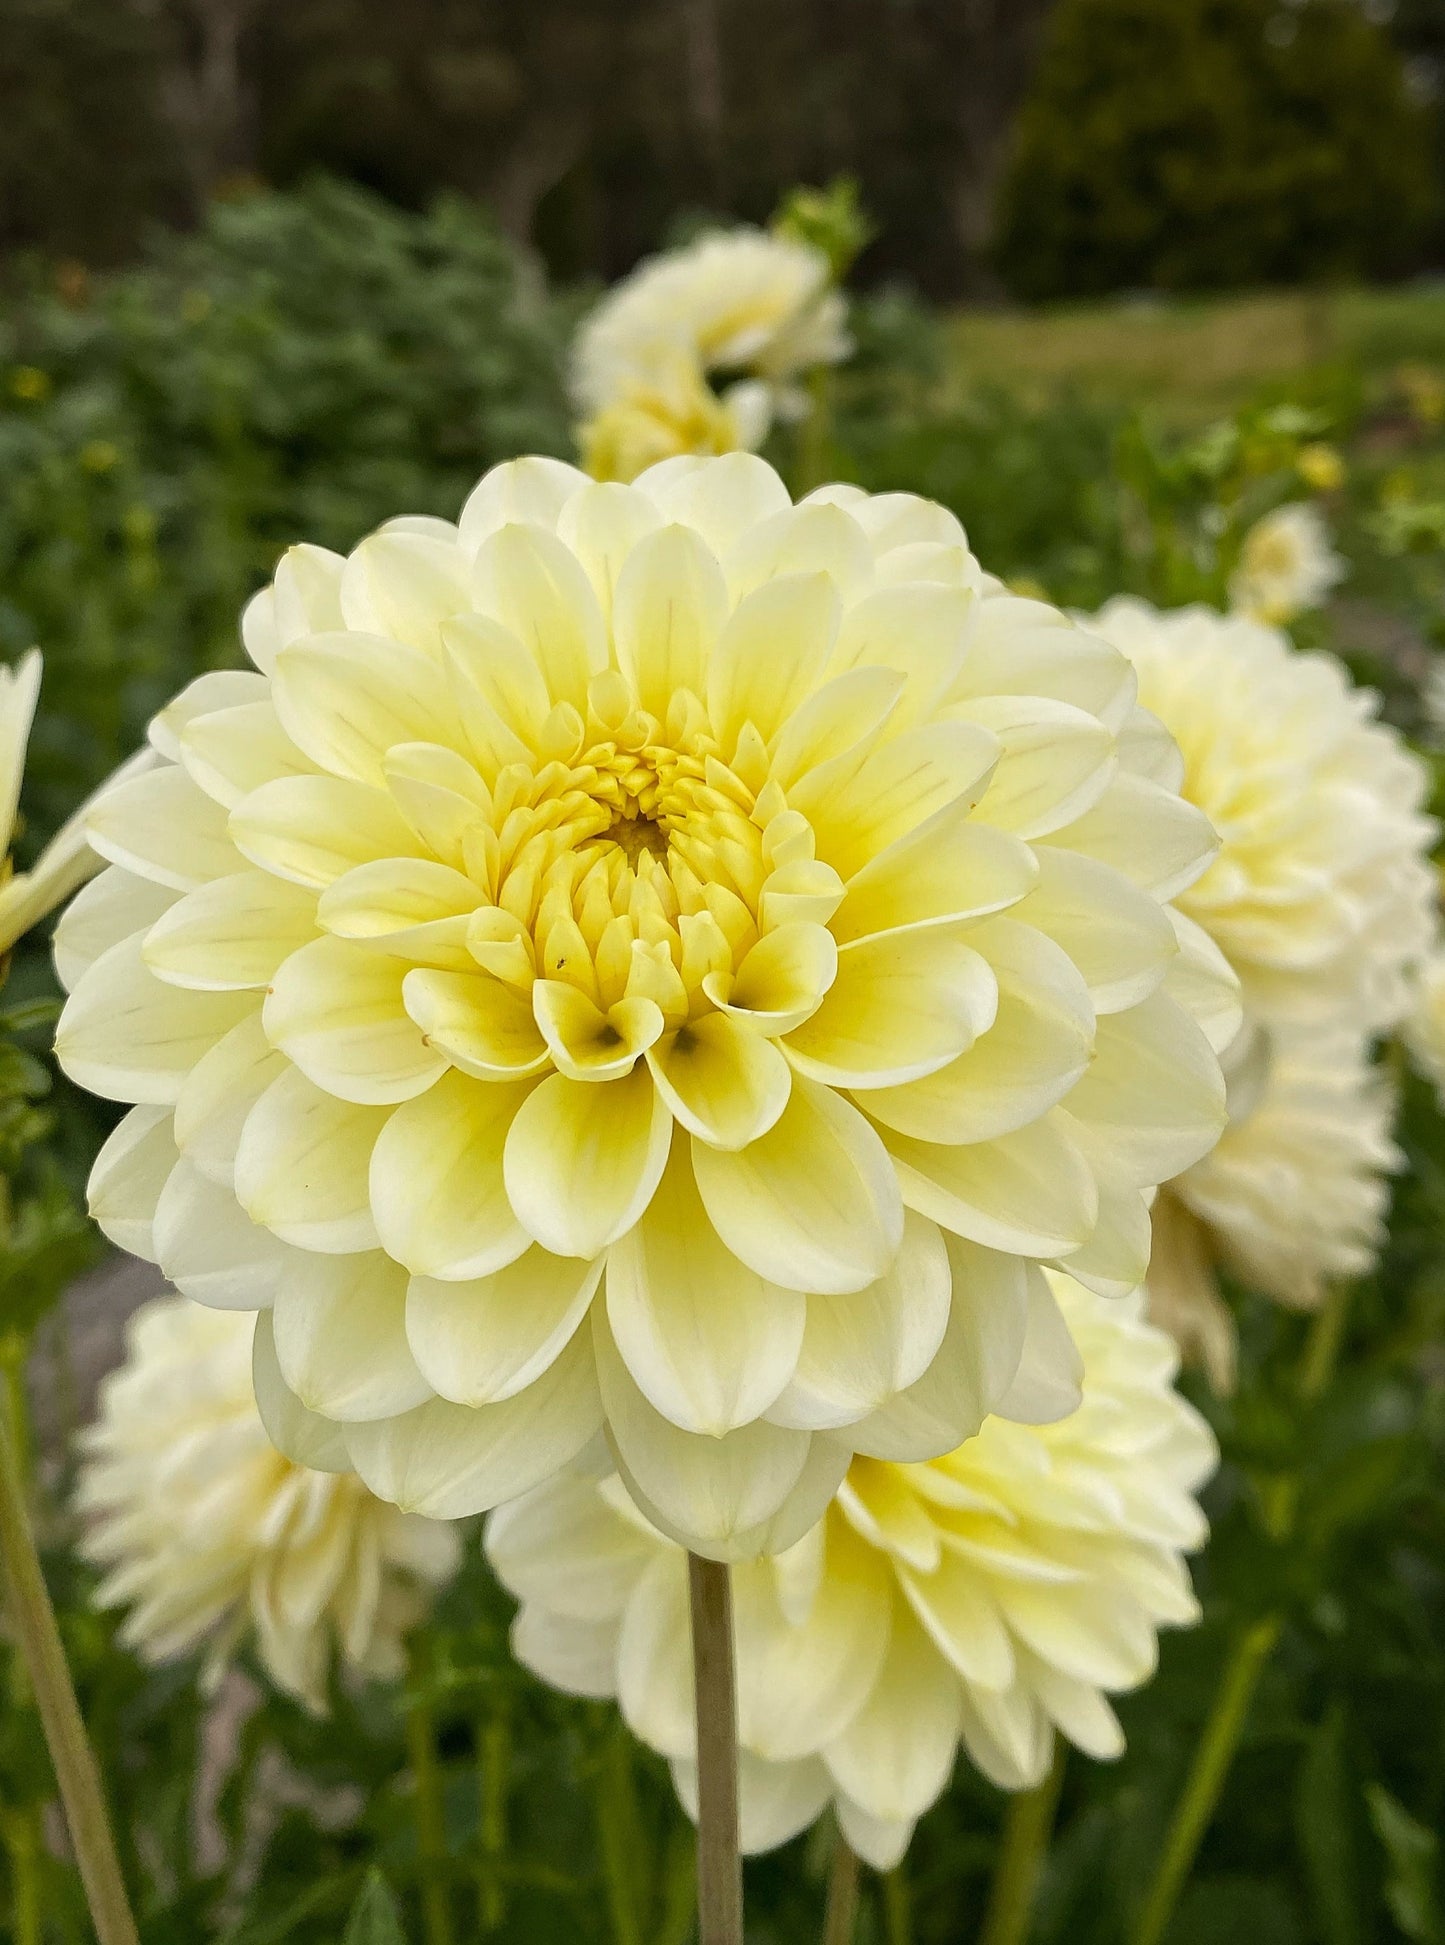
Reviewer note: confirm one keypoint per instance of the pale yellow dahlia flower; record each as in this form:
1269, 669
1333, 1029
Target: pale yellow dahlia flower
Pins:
989, 1598
67, 861
1322, 897
651, 957
1293, 1198
671, 411
1425, 1023
739, 302
209, 1536
1286, 565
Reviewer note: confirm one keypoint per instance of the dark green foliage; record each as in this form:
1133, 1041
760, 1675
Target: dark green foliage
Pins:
1182, 144
306, 366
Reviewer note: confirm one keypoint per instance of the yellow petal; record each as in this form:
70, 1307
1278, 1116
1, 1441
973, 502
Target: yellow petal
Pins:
411, 907
1054, 762
917, 628
312, 829
231, 752
230, 934
1120, 938
220, 1091
602, 522
1156, 839
583, 1158
160, 826
405, 585
336, 1010
781, 981
437, 1193
533, 585
1030, 1192
301, 1166
722, 1080
901, 784
531, 489
587, 1043
340, 1327
133, 1166
115, 906
1154, 1090
128, 1037
210, 1249
671, 602
950, 868
346, 699
482, 1025
903, 1005
770, 654
485, 1340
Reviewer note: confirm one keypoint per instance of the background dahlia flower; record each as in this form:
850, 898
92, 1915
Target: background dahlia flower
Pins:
1425, 1023
671, 410
1322, 897
1286, 566
741, 302
208, 1534
1294, 1196
650, 957
991, 1597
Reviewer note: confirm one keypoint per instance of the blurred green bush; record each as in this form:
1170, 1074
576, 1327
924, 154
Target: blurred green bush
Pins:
1183, 144
304, 366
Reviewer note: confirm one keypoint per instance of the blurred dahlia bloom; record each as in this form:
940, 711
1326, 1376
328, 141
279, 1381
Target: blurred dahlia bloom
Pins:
207, 1535
1425, 1024
741, 303
991, 1598
653, 957
1292, 1199
1286, 566
671, 410
1322, 896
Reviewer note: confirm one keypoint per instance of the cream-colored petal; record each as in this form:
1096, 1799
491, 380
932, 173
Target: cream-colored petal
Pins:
903, 1005
340, 1324
602, 522
304, 1437
811, 1205
231, 934
900, 784
583, 1158
220, 1091
894, 1758
1047, 1384
233, 751
722, 500
770, 654
722, 1079
654, 1660
1054, 762
413, 908
1030, 1192
917, 628
708, 1341
483, 1026
1156, 839
859, 1351
587, 1044
160, 826
808, 539
526, 579
576, 1656
1115, 1258
670, 605
561, 1548
782, 979
128, 1037
530, 489
437, 1193
112, 907
301, 1166
336, 1010
312, 829
405, 585
210, 1249
950, 868
1154, 1090
881, 1842
956, 1611
1019, 647
482, 1341
128, 1175
1202, 981
345, 699
1120, 938
450, 1461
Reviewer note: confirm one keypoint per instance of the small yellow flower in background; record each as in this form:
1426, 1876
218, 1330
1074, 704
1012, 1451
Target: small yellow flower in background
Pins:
1286, 566
653, 957
1425, 1024
737, 302
670, 412
992, 1598
28, 382
1320, 466
208, 1535
1322, 897
67, 861
1292, 1199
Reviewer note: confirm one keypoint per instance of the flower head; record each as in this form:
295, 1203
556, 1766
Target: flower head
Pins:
208, 1534
990, 1598
739, 301
1286, 565
655, 957
1293, 1197
1321, 897
672, 410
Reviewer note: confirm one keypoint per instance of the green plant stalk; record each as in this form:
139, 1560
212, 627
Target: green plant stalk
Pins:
719, 1855
492, 1778
1027, 1829
897, 1906
431, 1836
1212, 1758
76, 1773
617, 1836
1215, 1751
840, 1921
22, 1842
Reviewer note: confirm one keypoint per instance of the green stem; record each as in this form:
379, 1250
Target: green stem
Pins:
1322, 1346
22, 1841
1028, 1827
1212, 1758
494, 1765
842, 1915
719, 1856
431, 1836
33, 1619
897, 1906
618, 1840
815, 442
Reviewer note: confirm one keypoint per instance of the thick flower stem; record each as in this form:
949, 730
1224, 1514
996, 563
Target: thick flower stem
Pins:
1207, 1772
494, 1758
897, 1906
33, 1619
842, 1914
1027, 1829
22, 1843
719, 1858
431, 1840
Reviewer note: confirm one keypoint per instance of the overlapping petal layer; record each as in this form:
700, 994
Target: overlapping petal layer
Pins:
655, 958
991, 1597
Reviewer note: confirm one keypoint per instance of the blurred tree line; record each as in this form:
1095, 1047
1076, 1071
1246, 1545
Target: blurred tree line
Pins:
1161, 142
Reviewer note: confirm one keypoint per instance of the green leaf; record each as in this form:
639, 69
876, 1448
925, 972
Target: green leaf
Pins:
374, 1918
1411, 1853
1324, 1830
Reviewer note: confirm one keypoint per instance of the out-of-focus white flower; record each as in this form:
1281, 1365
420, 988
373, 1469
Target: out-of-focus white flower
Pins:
672, 410
631, 959
740, 302
1293, 1198
1286, 565
1425, 1025
208, 1535
67, 861
1322, 897
991, 1597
